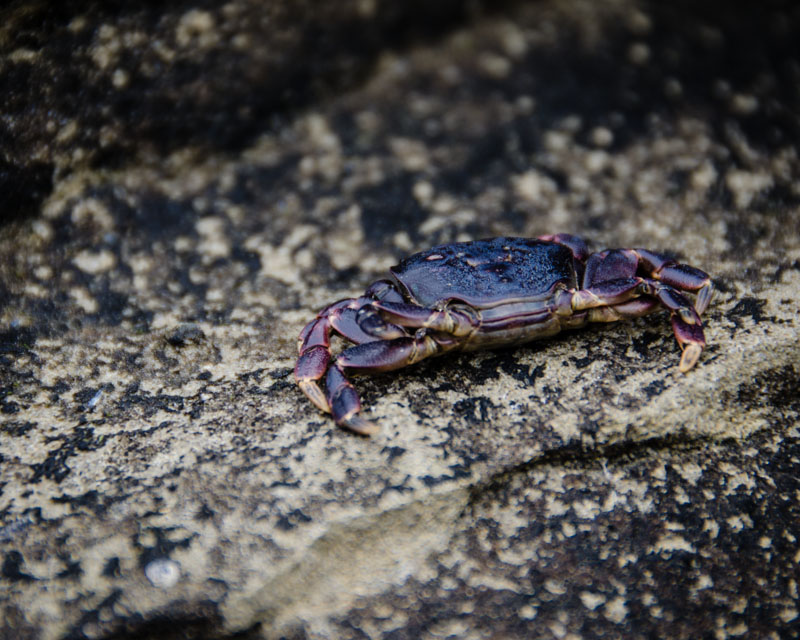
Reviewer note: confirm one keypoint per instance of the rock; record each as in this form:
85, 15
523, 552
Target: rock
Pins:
161, 475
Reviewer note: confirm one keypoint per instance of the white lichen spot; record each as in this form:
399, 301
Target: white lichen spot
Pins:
703, 176
423, 192
402, 241
444, 204
107, 48
215, 295
163, 573
626, 559
514, 41
556, 587
120, 78
612, 500
596, 161
527, 612
703, 582
366, 8
43, 272
494, 65
555, 141
23, 55
787, 615
36, 290
531, 186
601, 136
43, 230
214, 243
196, 28
712, 527
671, 543
525, 105
92, 211
412, 154
739, 523
745, 185
586, 509
83, 299
78, 24
555, 507
322, 136
740, 629
95, 262
67, 132
592, 600
615, 610
743, 104
639, 53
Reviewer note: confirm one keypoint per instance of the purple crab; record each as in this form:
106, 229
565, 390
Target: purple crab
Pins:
486, 294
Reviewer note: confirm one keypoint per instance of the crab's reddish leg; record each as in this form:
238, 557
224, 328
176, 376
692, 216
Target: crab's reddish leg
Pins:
314, 346
381, 355
609, 281
312, 364
677, 275
686, 325
315, 352
459, 321
345, 403
611, 292
345, 323
631, 309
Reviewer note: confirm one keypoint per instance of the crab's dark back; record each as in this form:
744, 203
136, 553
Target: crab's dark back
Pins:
486, 272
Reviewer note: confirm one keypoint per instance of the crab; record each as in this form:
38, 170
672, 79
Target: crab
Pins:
486, 294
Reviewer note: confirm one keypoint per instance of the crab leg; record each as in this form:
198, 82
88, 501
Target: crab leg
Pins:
381, 355
315, 355
610, 279
677, 275
453, 321
315, 348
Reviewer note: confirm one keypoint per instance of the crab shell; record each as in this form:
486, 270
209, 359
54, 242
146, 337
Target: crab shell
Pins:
485, 294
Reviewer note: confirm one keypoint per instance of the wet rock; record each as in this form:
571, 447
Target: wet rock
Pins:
161, 474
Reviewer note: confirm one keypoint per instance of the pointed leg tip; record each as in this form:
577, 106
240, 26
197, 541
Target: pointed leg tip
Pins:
691, 354
704, 298
359, 425
315, 394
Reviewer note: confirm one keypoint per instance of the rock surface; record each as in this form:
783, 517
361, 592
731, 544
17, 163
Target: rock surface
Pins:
161, 476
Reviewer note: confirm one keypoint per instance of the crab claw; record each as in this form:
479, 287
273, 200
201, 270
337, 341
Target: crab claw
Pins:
359, 425
691, 339
691, 354
310, 368
345, 403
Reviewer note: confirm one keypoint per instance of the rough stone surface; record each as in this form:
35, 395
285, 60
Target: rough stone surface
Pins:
160, 474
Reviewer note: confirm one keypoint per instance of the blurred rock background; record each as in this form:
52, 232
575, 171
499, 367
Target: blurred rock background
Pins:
183, 187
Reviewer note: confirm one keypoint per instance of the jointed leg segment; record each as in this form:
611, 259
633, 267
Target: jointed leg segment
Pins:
381, 345
633, 282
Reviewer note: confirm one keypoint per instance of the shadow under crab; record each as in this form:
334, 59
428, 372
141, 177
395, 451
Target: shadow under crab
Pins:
487, 294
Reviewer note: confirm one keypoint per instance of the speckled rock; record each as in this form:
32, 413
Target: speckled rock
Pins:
161, 476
